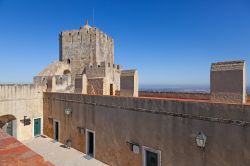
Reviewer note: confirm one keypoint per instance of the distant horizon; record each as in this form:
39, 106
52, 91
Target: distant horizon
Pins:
161, 87
179, 88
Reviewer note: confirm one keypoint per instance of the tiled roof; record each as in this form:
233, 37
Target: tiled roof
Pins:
14, 153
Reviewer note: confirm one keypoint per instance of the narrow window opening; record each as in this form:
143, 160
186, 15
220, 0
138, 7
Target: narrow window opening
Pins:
111, 90
56, 130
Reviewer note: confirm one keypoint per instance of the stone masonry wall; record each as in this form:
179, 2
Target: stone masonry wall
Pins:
228, 82
21, 100
95, 86
166, 125
129, 83
84, 47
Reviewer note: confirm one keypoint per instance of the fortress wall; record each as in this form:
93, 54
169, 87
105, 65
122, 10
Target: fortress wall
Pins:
21, 100
179, 95
166, 125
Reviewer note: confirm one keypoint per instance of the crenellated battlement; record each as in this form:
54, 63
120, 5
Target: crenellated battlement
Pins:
101, 70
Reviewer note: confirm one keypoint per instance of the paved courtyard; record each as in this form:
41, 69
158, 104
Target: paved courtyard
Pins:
60, 156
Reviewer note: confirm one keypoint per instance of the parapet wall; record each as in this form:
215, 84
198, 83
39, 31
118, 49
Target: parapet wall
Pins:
169, 126
10, 92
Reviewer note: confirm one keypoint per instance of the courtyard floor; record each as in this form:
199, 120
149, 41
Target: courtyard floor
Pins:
58, 155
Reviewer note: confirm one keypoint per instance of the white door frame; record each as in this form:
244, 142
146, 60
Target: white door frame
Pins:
33, 125
144, 149
54, 131
87, 141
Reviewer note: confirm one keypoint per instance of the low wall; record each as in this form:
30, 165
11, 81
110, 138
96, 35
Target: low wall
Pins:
21, 100
179, 95
166, 125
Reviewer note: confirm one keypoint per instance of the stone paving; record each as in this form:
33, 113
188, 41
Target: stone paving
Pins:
57, 154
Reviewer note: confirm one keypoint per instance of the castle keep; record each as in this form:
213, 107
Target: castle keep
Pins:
86, 101
86, 65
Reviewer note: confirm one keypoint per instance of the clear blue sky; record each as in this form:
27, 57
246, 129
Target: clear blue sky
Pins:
169, 42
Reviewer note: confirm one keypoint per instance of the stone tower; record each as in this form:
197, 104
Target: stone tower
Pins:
86, 65
84, 47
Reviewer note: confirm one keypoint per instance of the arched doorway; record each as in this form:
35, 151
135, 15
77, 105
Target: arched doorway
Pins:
8, 124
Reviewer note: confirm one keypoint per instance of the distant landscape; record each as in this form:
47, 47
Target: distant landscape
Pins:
180, 88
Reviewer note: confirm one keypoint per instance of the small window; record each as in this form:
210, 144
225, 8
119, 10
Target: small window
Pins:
69, 34
68, 61
98, 66
91, 66
111, 90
